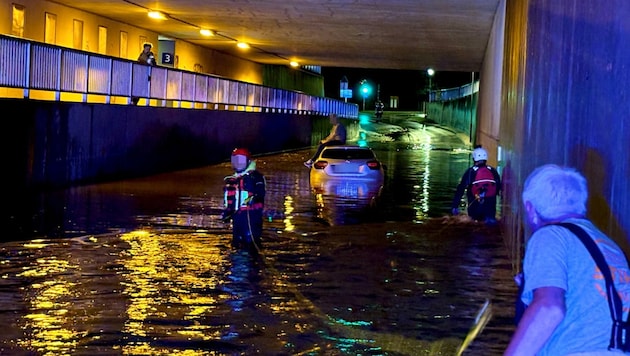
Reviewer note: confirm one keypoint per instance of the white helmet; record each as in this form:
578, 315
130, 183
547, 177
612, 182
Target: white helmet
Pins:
479, 154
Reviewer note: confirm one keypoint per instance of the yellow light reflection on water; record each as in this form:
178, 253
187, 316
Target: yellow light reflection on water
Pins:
51, 331
36, 244
167, 285
161, 276
288, 211
422, 192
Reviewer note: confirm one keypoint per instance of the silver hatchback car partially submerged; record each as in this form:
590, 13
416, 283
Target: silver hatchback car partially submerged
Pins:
339, 168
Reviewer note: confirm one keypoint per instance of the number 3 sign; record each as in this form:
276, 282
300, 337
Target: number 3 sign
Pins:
167, 58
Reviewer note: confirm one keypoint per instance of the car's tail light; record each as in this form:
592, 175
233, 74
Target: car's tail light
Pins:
373, 164
320, 165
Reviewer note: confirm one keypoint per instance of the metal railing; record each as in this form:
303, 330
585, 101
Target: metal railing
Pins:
36, 70
454, 93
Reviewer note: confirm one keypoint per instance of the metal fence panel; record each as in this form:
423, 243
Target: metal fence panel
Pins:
273, 97
173, 86
201, 88
140, 80
14, 63
285, 101
158, 81
121, 78
98, 75
223, 91
73, 72
235, 94
265, 94
45, 65
188, 86
213, 90
253, 95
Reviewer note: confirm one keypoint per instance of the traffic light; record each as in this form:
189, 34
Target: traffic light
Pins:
365, 88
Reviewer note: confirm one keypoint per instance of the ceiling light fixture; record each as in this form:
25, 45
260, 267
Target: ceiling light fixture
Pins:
206, 32
156, 15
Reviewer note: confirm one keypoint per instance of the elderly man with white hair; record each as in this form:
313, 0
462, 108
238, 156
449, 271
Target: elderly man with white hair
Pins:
566, 293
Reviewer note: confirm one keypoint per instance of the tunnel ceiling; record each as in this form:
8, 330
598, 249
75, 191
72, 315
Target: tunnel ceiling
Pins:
447, 35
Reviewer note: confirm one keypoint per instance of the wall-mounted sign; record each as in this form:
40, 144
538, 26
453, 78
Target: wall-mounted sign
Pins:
168, 58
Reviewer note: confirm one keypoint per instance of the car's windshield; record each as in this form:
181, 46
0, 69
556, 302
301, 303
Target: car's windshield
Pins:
334, 153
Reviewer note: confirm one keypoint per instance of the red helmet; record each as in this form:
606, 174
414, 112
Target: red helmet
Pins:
242, 152
238, 162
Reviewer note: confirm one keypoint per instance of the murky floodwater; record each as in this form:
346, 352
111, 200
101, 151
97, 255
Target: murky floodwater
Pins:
145, 267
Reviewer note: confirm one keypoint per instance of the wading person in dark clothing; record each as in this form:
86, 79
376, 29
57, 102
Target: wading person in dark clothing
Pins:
378, 111
244, 200
336, 137
482, 184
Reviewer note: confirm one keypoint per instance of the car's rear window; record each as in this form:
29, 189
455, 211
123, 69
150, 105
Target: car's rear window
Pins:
334, 153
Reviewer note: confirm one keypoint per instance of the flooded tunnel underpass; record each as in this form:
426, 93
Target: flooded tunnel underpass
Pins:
145, 267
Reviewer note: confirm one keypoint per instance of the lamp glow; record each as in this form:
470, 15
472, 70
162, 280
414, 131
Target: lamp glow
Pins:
206, 32
157, 15
242, 45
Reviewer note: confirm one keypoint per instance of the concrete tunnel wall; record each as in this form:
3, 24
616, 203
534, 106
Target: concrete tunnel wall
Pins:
55, 144
555, 90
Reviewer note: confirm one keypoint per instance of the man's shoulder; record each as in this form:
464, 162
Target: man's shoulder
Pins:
552, 234
256, 174
493, 170
486, 166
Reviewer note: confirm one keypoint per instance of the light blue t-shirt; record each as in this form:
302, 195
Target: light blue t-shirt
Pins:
555, 257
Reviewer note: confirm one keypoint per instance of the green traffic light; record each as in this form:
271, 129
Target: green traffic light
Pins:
365, 91
365, 88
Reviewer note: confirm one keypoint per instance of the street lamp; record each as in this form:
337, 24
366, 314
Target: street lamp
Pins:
430, 73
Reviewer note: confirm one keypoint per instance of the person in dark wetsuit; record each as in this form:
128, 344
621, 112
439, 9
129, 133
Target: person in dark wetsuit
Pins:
482, 205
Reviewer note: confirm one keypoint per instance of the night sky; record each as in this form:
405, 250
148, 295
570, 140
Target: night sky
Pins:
408, 85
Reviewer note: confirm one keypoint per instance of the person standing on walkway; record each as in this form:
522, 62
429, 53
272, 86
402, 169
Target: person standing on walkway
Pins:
336, 137
146, 57
244, 201
482, 184
565, 292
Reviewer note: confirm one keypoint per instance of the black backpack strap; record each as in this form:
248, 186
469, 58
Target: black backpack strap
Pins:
614, 302
472, 173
